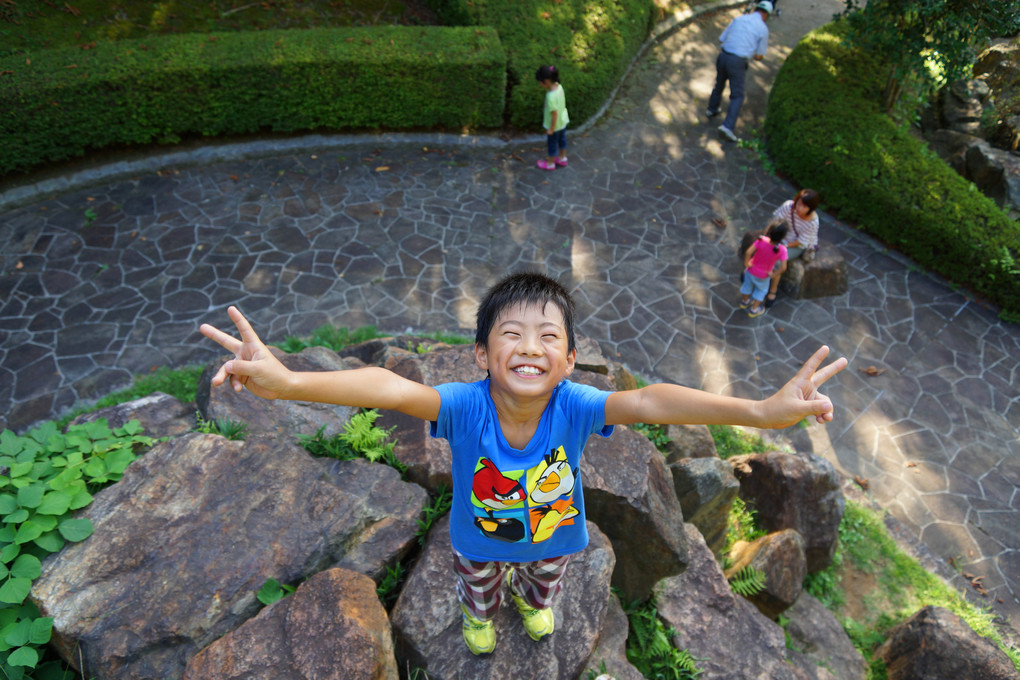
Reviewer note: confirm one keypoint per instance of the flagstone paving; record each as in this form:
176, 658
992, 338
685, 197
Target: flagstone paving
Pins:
101, 283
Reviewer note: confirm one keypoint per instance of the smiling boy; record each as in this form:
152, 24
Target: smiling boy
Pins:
517, 437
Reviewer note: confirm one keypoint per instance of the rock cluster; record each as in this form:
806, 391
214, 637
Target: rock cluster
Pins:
166, 586
975, 125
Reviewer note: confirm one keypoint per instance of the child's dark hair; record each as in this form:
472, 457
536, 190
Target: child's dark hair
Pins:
776, 233
523, 288
547, 73
808, 197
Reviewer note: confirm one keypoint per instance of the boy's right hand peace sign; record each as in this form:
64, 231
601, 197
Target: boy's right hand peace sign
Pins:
253, 366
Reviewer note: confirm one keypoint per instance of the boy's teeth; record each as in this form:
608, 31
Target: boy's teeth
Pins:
527, 370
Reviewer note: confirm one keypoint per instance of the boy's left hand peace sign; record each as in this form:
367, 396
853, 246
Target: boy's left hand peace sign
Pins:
800, 398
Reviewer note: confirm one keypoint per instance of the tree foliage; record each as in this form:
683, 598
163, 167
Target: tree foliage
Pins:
927, 42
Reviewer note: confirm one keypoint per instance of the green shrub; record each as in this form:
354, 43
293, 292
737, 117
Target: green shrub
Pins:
825, 129
591, 42
61, 103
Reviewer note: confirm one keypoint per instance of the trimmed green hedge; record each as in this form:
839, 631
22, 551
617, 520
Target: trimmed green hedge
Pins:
59, 103
591, 42
824, 128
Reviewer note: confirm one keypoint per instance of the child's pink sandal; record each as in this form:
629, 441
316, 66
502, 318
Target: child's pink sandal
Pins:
562, 162
545, 165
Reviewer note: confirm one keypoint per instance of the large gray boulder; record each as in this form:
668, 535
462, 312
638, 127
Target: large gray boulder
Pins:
936, 644
963, 105
825, 276
277, 417
706, 489
689, 441
795, 491
729, 637
611, 653
332, 628
628, 492
428, 459
820, 641
191, 532
427, 619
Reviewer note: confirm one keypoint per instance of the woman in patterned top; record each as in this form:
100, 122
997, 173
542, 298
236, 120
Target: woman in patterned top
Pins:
801, 216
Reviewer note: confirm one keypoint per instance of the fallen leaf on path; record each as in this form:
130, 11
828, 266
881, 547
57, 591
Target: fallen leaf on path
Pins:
861, 482
382, 168
719, 222
872, 370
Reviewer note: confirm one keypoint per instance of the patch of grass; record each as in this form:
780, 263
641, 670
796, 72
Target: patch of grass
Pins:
332, 337
901, 587
448, 338
180, 383
731, 441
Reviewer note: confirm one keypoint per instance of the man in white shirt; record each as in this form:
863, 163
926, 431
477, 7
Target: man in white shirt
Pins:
746, 38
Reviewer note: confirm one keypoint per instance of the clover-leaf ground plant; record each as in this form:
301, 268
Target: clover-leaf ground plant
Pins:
47, 475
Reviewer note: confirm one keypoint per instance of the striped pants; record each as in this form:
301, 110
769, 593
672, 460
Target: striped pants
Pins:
480, 584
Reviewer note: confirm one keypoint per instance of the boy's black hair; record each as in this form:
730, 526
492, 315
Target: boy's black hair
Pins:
523, 288
547, 73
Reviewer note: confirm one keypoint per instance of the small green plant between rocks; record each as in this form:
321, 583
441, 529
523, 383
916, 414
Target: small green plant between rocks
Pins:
231, 429
650, 647
360, 439
748, 581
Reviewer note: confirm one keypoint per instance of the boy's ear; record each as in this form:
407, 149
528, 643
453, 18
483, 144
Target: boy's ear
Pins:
481, 357
571, 359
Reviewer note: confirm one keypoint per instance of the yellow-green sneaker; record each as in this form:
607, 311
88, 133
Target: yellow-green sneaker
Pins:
479, 636
537, 622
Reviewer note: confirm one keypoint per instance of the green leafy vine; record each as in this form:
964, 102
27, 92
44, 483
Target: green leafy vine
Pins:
46, 475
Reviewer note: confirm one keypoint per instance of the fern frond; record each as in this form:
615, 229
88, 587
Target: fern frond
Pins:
748, 581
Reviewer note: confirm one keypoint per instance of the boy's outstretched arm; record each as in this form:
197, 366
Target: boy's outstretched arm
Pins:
673, 404
254, 367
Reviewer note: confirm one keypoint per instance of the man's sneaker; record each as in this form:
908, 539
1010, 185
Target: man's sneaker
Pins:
479, 636
710, 113
728, 133
537, 622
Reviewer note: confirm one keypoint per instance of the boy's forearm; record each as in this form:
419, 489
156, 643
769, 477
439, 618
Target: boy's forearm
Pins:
369, 387
668, 404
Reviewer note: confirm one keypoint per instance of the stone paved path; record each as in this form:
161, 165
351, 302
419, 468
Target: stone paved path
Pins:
102, 283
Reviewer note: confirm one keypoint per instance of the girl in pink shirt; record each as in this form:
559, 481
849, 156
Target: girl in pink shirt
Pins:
759, 261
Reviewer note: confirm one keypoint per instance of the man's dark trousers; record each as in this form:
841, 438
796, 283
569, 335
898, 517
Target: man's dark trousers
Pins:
733, 68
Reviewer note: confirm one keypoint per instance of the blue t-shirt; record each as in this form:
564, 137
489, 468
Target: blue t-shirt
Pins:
513, 505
